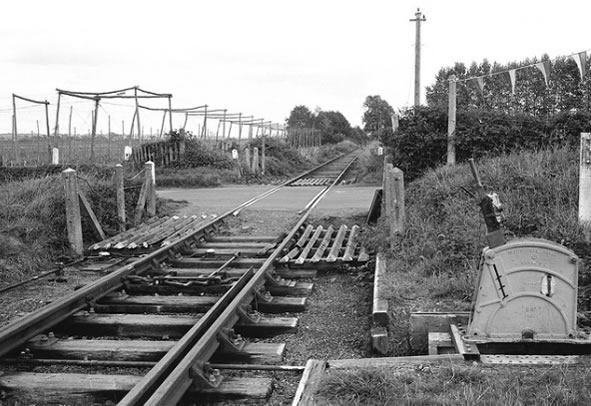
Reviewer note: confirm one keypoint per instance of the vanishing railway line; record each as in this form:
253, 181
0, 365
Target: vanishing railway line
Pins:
176, 316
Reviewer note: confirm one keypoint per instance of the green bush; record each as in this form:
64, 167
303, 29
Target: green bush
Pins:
421, 140
198, 154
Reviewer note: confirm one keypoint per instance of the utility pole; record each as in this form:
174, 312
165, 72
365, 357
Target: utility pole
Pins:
419, 17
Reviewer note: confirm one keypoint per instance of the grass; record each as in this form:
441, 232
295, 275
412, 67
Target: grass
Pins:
432, 266
33, 231
466, 384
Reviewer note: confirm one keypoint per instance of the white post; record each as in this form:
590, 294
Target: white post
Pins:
151, 179
451, 122
585, 184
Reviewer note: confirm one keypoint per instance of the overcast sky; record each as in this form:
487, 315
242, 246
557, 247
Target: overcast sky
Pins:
260, 57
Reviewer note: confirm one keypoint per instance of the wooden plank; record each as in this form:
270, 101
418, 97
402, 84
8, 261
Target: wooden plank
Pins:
158, 326
141, 202
337, 244
350, 246
236, 246
127, 325
142, 350
305, 235
243, 238
155, 304
306, 251
52, 388
323, 245
114, 350
309, 383
380, 313
218, 252
290, 255
96, 225
384, 362
193, 272
209, 263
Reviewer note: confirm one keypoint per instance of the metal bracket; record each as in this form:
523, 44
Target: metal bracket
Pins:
467, 349
277, 281
230, 341
204, 376
247, 315
262, 295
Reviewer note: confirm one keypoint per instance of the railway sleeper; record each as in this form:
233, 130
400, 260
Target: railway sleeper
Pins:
87, 324
69, 388
137, 304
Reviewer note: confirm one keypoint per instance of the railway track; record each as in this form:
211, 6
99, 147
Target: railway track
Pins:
163, 327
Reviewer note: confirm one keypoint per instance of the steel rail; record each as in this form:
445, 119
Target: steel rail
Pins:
18, 332
191, 368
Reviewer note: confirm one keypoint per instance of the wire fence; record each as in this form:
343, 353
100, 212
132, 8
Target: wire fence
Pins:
74, 150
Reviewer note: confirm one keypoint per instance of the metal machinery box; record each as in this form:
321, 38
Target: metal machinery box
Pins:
527, 289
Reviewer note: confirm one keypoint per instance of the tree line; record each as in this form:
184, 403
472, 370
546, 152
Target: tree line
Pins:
565, 91
493, 120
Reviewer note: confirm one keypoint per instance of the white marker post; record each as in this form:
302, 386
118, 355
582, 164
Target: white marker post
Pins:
585, 184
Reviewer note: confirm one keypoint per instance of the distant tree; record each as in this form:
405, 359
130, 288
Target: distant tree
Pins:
300, 117
566, 90
377, 115
333, 126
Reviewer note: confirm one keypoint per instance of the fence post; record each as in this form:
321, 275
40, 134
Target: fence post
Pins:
585, 184
393, 186
255, 160
120, 197
263, 152
73, 221
151, 182
451, 122
247, 157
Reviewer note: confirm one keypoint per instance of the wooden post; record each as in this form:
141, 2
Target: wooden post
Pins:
57, 115
150, 174
38, 142
224, 126
93, 135
109, 138
137, 115
162, 126
70, 133
263, 166
15, 130
120, 197
204, 129
49, 151
73, 221
240, 127
255, 160
393, 185
247, 157
170, 113
451, 122
184, 123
